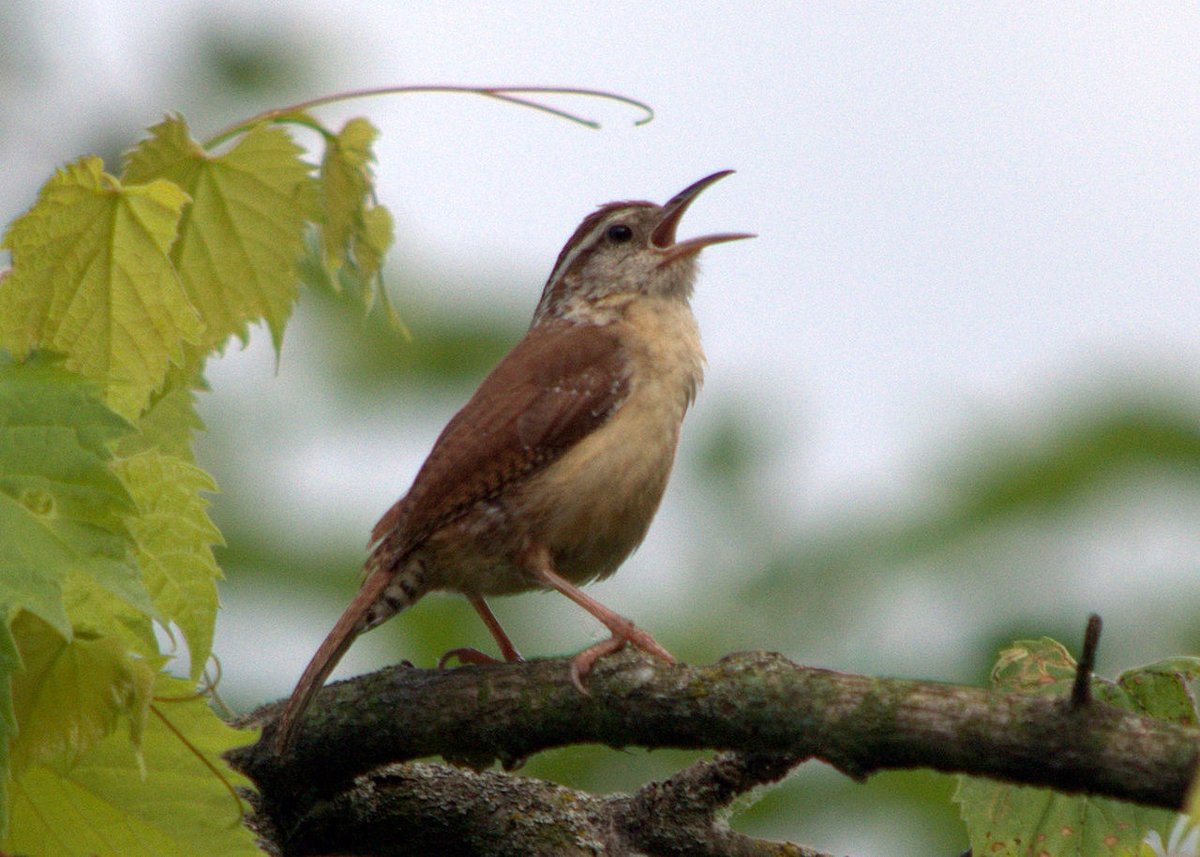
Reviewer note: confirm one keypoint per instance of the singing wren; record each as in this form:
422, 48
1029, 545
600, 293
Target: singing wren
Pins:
549, 476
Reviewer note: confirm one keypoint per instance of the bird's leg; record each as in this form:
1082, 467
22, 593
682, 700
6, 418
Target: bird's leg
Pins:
493, 624
538, 562
470, 655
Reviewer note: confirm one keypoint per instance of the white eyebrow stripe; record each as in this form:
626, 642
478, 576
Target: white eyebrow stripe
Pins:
580, 246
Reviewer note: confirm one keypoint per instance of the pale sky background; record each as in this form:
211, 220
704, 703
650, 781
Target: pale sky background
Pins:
967, 214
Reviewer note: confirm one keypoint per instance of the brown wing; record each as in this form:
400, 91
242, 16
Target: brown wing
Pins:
556, 386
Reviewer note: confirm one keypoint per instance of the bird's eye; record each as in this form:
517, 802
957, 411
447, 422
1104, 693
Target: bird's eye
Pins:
619, 233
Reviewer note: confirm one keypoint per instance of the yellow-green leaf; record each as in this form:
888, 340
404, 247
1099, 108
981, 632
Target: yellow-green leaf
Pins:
62, 513
169, 423
110, 806
345, 186
375, 239
95, 612
174, 544
62, 510
355, 231
91, 279
240, 239
70, 693
10, 663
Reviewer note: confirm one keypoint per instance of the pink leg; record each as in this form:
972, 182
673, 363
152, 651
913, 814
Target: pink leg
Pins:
474, 656
623, 630
493, 624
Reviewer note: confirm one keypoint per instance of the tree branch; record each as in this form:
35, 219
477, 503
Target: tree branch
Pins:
419, 808
773, 712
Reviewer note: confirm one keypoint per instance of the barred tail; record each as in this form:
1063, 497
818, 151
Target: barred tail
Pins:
384, 593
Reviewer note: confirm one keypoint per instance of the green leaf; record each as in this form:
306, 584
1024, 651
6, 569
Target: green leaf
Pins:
240, 239
174, 544
346, 186
91, 279
355, 232
374, 239
96, 612
10, 663
109, 805
1043, 667
1161, 689
1019, 820
62, 510
70, 693
170, 422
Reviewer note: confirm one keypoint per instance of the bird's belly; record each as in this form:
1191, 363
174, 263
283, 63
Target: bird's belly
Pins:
591, 508
594, 505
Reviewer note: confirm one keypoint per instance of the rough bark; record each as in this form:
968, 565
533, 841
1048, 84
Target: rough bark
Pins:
765, 711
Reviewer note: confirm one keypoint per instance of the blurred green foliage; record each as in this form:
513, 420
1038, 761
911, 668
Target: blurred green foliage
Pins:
244, 63
448, 347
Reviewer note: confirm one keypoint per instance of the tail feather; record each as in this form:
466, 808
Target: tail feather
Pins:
352, 623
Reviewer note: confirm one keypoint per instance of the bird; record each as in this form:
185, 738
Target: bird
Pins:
549, 476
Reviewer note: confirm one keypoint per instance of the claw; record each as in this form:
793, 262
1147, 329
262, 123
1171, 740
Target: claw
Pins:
582, 663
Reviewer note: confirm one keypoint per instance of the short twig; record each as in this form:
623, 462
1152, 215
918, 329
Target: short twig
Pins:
1081, 693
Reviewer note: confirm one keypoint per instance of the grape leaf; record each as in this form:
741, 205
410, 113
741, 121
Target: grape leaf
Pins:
372, 243
355, 232
346, 188
174, 544
96, 612
91, 279
240, 239
10, 662
111, 806
1005, 819
69, 694
170, 423
62, 510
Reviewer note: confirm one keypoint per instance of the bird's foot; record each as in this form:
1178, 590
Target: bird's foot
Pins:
623, 632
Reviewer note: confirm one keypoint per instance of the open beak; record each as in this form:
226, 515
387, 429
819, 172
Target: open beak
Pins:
663, 236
